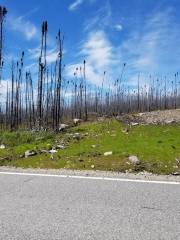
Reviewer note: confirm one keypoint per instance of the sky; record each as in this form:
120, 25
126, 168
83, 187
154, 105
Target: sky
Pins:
144, 34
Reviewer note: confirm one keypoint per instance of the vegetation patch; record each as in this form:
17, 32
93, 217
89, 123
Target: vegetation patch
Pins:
157, 147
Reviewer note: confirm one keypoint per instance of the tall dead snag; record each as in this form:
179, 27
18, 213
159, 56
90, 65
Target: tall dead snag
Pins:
60, 41
41, 75
85, 92
12, 97
102, 91
3, 13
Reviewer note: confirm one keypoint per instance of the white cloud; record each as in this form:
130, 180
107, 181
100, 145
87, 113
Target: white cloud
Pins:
118, 27
100, 56
75, 5
101, 19
152, 48
23, 26
97, 50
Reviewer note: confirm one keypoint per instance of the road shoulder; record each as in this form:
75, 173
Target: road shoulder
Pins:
144, 176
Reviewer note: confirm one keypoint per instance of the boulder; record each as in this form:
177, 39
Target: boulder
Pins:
2, 146
77, 121
29, 153
134, 160
63, 126
52, 151
108, 153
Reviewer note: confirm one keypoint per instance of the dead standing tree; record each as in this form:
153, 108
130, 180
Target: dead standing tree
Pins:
3, 13
41, 75
59, 81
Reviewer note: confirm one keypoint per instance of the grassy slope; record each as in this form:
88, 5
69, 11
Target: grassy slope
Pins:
156, 146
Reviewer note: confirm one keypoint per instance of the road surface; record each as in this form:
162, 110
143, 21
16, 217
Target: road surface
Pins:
59, 208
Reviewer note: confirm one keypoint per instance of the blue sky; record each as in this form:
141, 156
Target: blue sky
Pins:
143, 33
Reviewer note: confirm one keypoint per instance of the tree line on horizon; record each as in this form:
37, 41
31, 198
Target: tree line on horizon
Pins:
50, 99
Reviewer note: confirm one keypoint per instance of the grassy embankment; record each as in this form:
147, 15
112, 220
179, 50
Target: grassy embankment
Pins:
157, 147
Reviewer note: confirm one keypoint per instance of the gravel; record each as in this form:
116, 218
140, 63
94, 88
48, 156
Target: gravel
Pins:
95, 173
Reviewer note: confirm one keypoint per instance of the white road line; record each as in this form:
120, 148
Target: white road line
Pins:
91, 178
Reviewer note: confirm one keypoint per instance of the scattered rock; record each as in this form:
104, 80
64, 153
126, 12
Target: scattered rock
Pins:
178, 161
63, 126
108, 153
52, 151
155, 117
2, 146
170, 121
176, 173
175, 166
125, 131
134, 124
77, 121
93, 146
62, 147
92, 166
134, 160
29, 153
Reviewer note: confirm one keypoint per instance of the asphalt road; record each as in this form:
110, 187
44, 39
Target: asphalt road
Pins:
50, 208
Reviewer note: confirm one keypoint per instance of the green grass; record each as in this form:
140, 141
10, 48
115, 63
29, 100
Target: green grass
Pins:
156, 146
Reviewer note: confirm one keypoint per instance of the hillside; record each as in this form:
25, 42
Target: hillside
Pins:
107, 144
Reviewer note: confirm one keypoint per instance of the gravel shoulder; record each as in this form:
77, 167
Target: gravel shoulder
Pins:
90, 173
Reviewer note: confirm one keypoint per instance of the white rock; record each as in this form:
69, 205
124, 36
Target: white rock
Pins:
134, 159
134, 123
60, 147
169, 121
76, 121
29, 153
108, 153
2, 146
92, 166
125, 131
93, 146
52, 151
178, 160
63, 127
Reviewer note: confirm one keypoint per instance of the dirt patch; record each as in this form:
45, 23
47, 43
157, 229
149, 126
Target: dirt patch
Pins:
155, 117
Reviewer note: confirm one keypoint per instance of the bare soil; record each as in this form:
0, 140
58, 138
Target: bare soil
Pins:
155, 117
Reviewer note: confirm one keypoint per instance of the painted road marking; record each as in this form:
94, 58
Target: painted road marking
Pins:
91, 178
